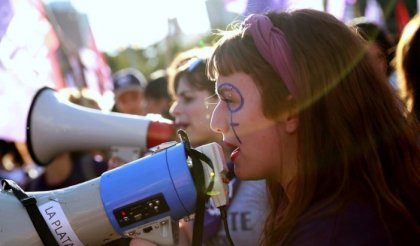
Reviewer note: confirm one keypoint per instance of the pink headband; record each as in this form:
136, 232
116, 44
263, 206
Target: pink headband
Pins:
272, 45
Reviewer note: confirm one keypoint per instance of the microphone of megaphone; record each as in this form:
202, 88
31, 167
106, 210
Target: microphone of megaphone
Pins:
55, 125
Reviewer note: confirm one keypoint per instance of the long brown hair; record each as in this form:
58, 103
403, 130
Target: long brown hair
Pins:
353, 135
407, 58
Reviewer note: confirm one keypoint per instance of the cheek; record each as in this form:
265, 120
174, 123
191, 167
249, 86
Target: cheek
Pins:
267, 155
262, 151
201, 124
197, 114
200, 133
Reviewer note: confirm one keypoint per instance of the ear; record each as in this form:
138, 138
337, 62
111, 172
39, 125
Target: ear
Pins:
292, 120
291, 123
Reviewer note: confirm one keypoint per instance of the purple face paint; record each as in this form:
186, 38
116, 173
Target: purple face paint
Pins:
234, 100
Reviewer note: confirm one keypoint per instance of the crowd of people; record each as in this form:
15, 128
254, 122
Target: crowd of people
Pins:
318, 119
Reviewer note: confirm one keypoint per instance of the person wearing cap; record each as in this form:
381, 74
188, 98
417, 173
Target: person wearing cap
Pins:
129, 87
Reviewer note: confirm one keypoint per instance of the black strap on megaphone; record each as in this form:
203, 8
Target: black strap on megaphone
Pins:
202, 196
202, 191
29, 202
197, 156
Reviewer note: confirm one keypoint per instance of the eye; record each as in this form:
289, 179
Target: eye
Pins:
231, 96
189, 99
185, 99
226, 97
226, 100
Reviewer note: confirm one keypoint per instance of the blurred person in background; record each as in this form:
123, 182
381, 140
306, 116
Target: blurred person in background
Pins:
408, 69
381, 44
135, 96
12, 163
129, 85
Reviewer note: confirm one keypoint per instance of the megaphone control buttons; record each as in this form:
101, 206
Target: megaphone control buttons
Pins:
138, 216
141, 210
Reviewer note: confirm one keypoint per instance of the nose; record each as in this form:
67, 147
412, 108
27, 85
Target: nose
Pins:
174, 110
218, 122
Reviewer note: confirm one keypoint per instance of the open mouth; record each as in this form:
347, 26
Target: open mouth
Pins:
236, 150
235, 154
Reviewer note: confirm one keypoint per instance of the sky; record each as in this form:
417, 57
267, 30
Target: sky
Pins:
117, 24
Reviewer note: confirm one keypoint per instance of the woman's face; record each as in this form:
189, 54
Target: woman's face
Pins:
191, 113
238, 116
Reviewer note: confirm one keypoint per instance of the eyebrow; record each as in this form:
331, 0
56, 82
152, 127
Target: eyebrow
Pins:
182, 93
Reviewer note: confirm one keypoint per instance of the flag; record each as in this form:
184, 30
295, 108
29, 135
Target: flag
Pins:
246, 7
99, 66
27, 62
402, 16
6, 13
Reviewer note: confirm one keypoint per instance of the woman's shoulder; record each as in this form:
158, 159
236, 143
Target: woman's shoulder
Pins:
356, 223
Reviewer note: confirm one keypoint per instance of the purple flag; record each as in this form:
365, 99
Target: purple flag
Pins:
246, 7
261, 6
25, 64
6, 13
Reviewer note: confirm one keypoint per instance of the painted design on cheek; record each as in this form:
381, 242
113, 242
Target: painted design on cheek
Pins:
234, 100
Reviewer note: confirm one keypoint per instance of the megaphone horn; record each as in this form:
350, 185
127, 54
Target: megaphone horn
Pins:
55, 125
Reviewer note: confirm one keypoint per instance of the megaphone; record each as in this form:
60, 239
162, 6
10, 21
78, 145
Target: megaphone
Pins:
55, 125
142, 199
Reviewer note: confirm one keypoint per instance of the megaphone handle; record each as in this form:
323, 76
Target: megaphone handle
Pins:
198, 177
29, 202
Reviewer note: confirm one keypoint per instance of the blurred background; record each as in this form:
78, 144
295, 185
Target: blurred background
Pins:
81, 43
